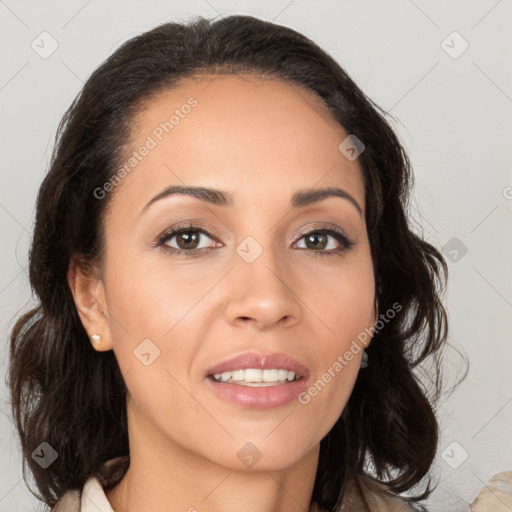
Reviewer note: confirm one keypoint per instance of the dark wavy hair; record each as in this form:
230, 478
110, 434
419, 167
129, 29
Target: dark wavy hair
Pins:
73, 397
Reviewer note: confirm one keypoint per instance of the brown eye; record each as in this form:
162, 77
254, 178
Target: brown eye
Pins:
185, 240
188, 239
318, 241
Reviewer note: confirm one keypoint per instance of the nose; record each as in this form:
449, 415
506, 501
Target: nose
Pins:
261, 294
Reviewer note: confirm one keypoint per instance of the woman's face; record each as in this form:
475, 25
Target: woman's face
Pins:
248, 279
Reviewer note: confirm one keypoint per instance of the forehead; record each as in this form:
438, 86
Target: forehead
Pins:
245, 133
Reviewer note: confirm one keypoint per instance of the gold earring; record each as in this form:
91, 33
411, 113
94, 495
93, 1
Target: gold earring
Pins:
96, 339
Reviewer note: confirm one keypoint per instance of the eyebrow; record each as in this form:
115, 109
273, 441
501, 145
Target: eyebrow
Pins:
221, 198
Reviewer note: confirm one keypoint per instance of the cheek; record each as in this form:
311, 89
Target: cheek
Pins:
155, 341
353, 311
344, 301
154, 324
149, 295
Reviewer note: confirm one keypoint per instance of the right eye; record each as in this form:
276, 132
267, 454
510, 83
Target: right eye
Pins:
187, 240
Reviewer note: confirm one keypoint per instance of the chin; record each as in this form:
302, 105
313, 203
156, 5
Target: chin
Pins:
253, 454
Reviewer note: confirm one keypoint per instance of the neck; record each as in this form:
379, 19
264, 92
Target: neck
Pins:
174, 479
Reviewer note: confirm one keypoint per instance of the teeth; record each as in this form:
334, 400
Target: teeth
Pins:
238, 375
270, 376
282, 374
256, 377
253, 375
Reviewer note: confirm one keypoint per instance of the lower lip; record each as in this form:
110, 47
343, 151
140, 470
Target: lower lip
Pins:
267, 397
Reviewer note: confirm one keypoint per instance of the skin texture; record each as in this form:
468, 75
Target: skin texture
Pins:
261, 141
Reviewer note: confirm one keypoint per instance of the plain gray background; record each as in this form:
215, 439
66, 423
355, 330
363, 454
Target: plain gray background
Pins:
453, 107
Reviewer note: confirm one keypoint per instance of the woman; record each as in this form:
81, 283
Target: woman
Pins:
232, 303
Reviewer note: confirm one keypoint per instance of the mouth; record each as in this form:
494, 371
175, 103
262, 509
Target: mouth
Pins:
238, 379
256, 369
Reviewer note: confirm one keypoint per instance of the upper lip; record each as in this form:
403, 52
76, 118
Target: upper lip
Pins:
261, 361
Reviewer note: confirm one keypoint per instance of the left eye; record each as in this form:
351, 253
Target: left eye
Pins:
319, 240
186, 239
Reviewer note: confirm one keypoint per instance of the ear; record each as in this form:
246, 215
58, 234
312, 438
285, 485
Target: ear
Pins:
90, 299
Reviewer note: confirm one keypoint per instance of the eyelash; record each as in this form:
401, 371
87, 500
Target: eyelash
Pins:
344, 240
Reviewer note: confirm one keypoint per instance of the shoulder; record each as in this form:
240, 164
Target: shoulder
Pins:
92, 497
496, 496
68, 502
